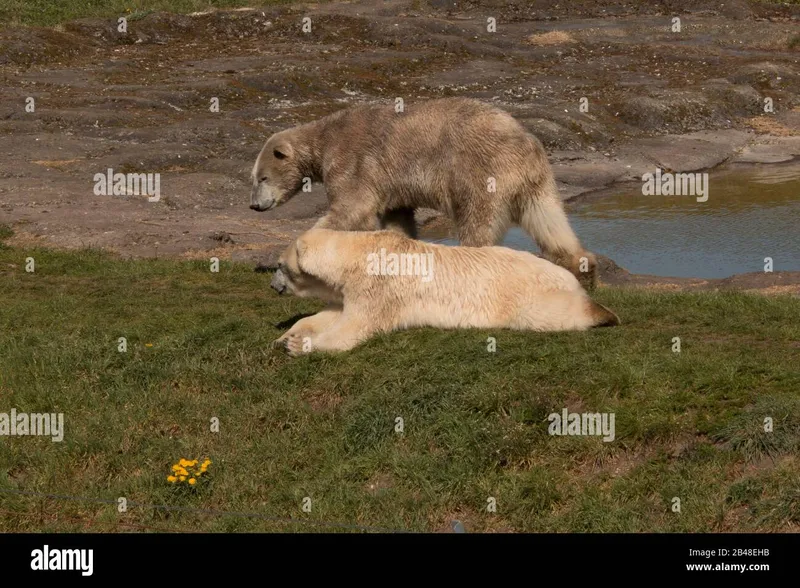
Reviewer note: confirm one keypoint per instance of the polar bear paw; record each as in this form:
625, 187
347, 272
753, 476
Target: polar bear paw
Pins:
297, 344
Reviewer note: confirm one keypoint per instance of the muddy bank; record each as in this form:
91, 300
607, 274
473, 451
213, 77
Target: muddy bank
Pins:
141, 102
780, 282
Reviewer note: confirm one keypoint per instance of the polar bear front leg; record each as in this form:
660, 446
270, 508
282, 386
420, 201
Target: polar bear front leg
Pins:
310, 325
356, 211
343, 334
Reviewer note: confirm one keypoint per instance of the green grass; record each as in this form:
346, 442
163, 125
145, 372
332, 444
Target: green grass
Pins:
688, 425
52, 12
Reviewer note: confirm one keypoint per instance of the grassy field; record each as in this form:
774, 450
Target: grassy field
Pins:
688, 425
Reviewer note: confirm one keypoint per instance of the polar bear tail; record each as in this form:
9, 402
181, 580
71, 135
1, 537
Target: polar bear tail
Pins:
601, 316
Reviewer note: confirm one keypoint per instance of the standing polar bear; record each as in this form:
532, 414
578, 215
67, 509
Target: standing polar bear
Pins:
466, 159
383, 281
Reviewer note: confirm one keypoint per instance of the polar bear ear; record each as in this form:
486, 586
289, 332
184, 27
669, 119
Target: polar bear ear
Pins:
300, 249
282, 150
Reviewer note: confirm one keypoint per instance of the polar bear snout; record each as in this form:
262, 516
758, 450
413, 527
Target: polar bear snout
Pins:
279, 282
263, 197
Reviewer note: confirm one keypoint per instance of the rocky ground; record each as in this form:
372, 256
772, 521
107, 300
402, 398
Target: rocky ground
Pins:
140, 102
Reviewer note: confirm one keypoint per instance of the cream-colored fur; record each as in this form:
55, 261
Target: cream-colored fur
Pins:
469, 287
469, 160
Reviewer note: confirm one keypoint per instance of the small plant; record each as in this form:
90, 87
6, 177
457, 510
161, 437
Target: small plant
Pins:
138, 14
188, 471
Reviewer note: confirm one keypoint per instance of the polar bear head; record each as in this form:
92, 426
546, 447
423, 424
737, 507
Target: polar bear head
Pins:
291, 278
277, 174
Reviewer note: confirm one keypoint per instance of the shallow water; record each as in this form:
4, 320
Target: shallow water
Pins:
751, 213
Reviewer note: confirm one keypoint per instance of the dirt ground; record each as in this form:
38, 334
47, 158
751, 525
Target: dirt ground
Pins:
140, 102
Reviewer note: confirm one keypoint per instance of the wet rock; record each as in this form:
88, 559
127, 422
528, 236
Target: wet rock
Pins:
593, 175
608, 271
692, 152
777, 150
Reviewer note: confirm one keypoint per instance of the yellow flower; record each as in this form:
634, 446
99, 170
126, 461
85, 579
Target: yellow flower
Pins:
192, 481
171, 479
176, 467
192, 463
148, 344
182, 478
184, 462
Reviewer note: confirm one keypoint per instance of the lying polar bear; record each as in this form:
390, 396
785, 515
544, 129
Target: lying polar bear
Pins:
383, 281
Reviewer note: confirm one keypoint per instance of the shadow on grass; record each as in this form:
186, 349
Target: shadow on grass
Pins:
289, 323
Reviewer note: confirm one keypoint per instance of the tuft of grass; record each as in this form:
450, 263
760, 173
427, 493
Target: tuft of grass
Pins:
139, 15
475, 423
